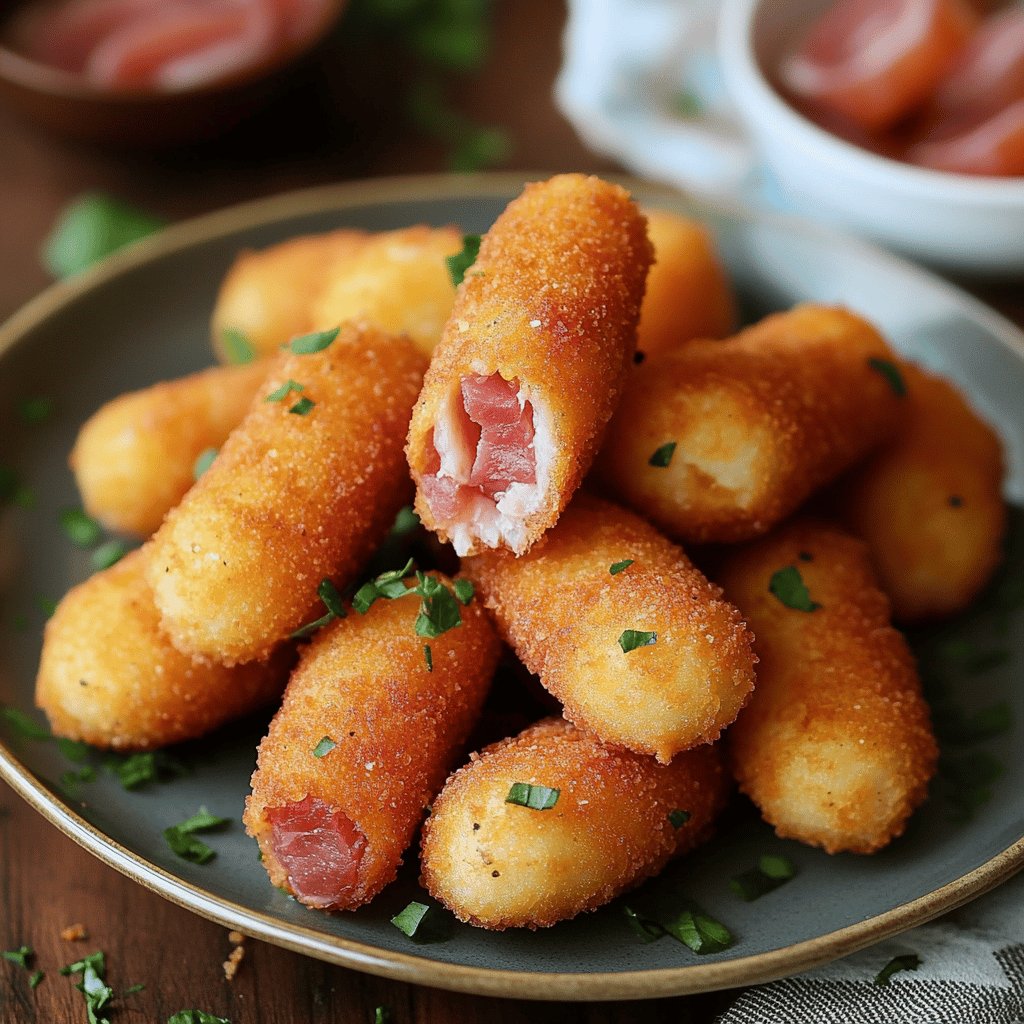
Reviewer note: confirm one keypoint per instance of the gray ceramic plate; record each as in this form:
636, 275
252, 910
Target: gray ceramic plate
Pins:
143, 316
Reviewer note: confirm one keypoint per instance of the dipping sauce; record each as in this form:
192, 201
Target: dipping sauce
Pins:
923, 81
160, 45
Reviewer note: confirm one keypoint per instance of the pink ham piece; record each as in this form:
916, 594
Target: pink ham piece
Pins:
319, 848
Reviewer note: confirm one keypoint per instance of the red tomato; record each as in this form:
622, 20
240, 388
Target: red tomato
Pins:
873, 61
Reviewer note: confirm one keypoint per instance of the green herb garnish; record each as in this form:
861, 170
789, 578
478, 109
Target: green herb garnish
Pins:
317, 341
47, 605
788, 586
631, 639
281, 393
35, 410
324, 747
663, 455
381, 1015
92, 986
25, 726
461, 261
237, 346
182, 839
678, 818
616, 567
907, 962
537, 798
19, 956
132, 989
406, 521
328, 593
771, 872
439, 610
428, 657
302, 407
388, 584
35, 978
90, 228
109, 553
81, 529
150, 766
464, 590
700, 933
203, 462
420, 922
195, 1017
645, 929
890, 371
687, 104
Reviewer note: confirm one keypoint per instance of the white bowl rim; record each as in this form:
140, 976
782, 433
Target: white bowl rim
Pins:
736, 52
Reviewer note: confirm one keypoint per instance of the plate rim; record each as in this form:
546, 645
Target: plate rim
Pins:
408, 967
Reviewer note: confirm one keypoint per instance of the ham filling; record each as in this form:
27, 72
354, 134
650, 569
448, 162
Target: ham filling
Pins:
482, 472
319, 848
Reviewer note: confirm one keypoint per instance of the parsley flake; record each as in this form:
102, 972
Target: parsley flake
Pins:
331, 598
237, 346
771, 872
464, 590
302, 407
439, 610
461, 261
788, 586
702, 934
388, 584
890, 371
19, 956
281, 393
645, 929
317, 341
907, 962
663, 455
181, 838
428, 657
34, 411
324, 747
195, 1017
616, 567
381, 1015
149, 766
631, 639
35, 978
81, 529
203, 462
537, 798
679, 818
109, 553
92, 986
420, 922
24, 725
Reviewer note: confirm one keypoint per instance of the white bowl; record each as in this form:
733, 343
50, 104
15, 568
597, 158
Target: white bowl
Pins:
958, 222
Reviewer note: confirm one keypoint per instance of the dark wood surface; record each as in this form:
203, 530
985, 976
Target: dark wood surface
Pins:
336, 126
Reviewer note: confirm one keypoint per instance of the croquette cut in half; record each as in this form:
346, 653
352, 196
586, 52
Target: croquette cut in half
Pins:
836, 746
304, 489
531, 364
368, 730
618, 818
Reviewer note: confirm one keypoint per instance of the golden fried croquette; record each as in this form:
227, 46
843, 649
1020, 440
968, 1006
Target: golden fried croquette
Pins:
398, 281
718, 441
268, 294
565, 615
303, 489
134, 458
929, 504
835, 746
362, 744
110, 677
529, 368
503, 865
688, 292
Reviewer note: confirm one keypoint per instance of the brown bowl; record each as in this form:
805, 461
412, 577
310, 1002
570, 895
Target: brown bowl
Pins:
71, 106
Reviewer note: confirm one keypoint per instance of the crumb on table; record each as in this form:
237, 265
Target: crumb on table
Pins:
74, 933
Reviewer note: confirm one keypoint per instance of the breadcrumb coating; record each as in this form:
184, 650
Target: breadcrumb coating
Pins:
835, 746
134, 457
563, 612
759, 422
397, 726
290, 500
552, 302
109, 676
500, 865
929, 504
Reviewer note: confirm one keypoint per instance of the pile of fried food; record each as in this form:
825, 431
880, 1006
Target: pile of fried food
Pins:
568, 416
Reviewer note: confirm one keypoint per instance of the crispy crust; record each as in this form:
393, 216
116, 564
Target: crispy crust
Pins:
499, 865
563, 612
133, 459
397, 281
108, 676
689, 294
760, 422
289, 500
552, 301
363, 681
930, 503
268, 294
836, 746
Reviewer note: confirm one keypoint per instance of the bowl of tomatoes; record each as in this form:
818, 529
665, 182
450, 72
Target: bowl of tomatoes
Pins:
900, 119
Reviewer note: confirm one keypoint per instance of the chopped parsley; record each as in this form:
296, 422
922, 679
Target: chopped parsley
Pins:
317, 341
331, 598
20, 956
182, 838
203, 462
663, 456
81, 529
406, 521
420, 922
537, 798
303, 406
388, 584
464, 590
35, 978
690, 926
631, 639
47, 605
237, 346
645, 929
428, 657
281, 393
771, 872
439, 610
907, 962
381, 1015
616, 567
679, 818
788, 586
195, 1017
151, 766
92, 986
109, 553
890, 371
73, 750
461, 261
686, 104
34, 411
324, 747
24, 725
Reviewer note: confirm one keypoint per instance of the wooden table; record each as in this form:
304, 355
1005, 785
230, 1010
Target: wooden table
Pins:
46, 881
